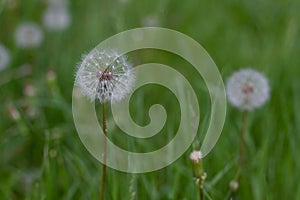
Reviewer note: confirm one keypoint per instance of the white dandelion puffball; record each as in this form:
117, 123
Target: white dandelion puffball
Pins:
4, 57
196, 156
105, 75
57, 2
56, 18
28, 35
247, 89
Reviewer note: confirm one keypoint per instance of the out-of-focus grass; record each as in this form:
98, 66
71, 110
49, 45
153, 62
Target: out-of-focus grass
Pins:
42, 156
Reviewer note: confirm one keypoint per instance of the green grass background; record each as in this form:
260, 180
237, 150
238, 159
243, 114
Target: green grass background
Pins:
42, 157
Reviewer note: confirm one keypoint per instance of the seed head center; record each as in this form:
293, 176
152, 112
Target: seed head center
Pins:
105, 75
247, 89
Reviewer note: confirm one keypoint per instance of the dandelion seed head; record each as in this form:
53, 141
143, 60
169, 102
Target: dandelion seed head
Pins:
56, 18
196, 156
4, 57
58, 3
28, 35
247, 89
105, 75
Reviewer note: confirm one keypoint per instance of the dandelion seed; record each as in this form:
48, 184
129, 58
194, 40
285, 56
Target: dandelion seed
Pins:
56, 18
4, 57
247, 89
28, 35
105, 75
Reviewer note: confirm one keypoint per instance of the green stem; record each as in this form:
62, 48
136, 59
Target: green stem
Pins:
102, 187
201, 191
242, 143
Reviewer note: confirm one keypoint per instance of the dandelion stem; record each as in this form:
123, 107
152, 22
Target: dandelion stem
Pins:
102, 187
201, 190
242, 143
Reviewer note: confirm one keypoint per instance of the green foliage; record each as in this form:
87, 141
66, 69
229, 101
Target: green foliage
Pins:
42, 156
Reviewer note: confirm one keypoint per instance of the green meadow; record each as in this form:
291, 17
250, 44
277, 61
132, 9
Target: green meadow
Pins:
41, 154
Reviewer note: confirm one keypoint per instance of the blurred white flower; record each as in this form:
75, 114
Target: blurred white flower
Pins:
234, 185
196, 156
29, 177
13, 111
124, 1
28, 35
56, 18
4, 57
58, 3
247, 89
105, 75
151, 20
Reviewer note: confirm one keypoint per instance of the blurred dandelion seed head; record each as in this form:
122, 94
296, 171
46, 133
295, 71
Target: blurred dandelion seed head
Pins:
28, 35
4, 57
56, 18
29, 178
234, 185
196, 156
58, 3
13, 112
29, 90
248, 89
105, 75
